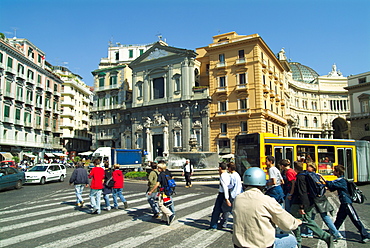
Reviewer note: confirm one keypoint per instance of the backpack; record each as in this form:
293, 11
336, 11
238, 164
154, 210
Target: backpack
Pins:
169, 187
355, 193
315, 186
110, 182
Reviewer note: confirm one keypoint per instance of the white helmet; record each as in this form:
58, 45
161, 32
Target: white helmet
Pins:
254, 176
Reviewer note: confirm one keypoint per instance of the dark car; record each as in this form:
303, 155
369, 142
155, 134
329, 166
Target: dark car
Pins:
11, 177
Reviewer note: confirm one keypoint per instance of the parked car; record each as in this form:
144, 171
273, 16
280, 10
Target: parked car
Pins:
8, 163
42, 173
11, 177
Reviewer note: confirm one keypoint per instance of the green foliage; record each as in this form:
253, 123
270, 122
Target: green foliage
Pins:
2, 36
16, 159
136, 174
77, 158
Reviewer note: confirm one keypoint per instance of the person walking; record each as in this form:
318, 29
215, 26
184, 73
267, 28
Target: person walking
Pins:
346, 208
118, 179
80, 180
289, 177
256, 215
165, 201
153, 198
274, 188
235, 188
97, 175
188, 172
303, 206
223, 196
107, 189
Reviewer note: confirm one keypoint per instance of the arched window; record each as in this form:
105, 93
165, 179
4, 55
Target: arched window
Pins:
315, 122
305, 121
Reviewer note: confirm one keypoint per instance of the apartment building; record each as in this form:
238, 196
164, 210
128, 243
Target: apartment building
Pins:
112, 94
359, 97
75, 104
247, 87
29, 101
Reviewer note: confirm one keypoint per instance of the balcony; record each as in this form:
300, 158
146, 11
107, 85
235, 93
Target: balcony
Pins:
276, 76
221, 90
107, 87
266, 88
21, 75
241, 87
67, 125
8, 94
19, 98
38, 126
282, 102
48, 108
29, 102
28, 124
11, 70
31, 80
264, 63
18, 122
56, 93
241, 61
38, 105
68, 103
48, 89
8, 120
67, 113
221, 64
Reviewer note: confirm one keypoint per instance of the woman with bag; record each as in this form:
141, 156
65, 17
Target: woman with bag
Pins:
107, 190
118, 179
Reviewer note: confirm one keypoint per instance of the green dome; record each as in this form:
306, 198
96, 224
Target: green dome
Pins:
302, 73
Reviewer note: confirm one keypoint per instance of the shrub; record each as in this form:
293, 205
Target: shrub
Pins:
136, 174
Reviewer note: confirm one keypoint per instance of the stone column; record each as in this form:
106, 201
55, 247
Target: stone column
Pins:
149, 144
165, 141
186, 128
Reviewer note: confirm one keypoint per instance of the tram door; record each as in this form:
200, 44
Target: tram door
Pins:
345, 157
283, 152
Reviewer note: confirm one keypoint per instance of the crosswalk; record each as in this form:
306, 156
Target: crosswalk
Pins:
54, 221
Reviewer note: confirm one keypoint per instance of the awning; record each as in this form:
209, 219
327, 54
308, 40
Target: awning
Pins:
29, 155
50, 155
7, 155
60, 154
85, 153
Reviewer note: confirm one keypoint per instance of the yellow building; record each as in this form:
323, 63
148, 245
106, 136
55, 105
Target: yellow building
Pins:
247, 86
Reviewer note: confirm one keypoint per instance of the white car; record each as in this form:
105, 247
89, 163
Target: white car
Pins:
42, 173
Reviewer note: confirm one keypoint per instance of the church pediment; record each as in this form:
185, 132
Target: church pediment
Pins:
157, 53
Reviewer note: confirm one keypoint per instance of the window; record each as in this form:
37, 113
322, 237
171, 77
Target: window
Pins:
117, 55
223, 128
305, 121
39, 58
222, 81
158, 88
20, 69
101, 81
141, 51
306, 153
242, 78
326, 159
361, 80
243, 126
367, 127
55, 88
242, 105
1, 58
6, 111
30, 74
39, 79
241, 54
113, 80
48, 83
177, 137
364, 106
140, 90
17, 114
221, 58
19, 92
222, 107
10, 62
130, 53
315, 124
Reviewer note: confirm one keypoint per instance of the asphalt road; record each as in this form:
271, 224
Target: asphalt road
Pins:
45, 216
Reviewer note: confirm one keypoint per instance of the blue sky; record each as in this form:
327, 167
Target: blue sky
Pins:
314, 33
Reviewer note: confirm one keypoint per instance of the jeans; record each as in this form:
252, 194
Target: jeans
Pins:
95, 195
329, 223
153, 202
285, 241
106, 200
79, 188
217, 210
117, 192
277, 193
288, 204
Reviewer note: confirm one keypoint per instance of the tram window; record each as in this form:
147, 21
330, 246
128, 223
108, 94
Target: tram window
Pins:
268, 150
326, 159
306, 154
278, 154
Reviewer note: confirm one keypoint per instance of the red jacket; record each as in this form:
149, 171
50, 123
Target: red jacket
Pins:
97, 174
118, 179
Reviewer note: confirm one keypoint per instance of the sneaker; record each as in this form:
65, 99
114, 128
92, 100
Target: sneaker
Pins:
125, 204
78, 204
108, 208
94, 211
155, 216
171, 219
365, 240
82, 204
190, 185
340, 237
186, 186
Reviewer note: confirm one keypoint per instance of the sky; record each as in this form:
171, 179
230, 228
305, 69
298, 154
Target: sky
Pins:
76, 33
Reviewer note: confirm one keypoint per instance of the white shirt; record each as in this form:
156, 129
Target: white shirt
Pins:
224, 184
188, 168
274, 173
235, 184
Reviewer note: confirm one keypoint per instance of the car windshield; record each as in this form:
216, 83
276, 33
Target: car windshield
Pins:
39, 168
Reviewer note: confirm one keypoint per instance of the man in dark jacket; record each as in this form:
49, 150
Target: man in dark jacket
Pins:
302, 208
80, 179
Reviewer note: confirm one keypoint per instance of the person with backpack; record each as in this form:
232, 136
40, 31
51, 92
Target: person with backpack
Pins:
153, 198
107, 190
165, 198
188, 172
321, 203
118, 179
274, 188
80, 180
346, 208
303, 206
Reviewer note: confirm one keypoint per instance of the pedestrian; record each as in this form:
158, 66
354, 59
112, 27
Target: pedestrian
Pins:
346, 208
223, 196
153, 198
256, 215
274, 188
107, 189
97, 175
289, 177
119, 181
188, 172
323, 207
235, 188
303, 206
164, 201
80, 180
